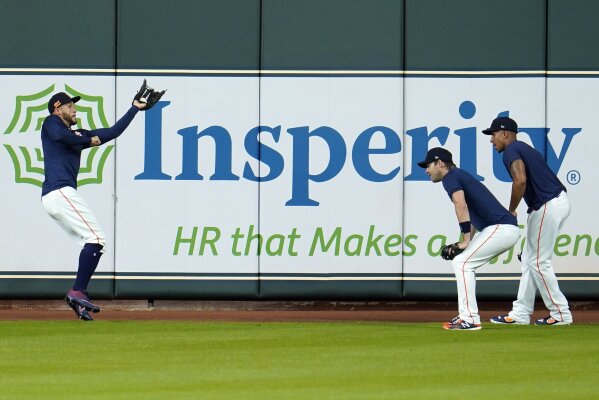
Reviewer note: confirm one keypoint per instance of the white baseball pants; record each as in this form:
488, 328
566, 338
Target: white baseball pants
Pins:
490, 242
542, 229
71, 212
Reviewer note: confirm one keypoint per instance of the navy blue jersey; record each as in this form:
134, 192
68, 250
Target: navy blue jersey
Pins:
541, 183
62, 148
483, 207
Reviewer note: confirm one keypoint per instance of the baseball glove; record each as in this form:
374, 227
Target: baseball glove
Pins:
148, 95
449, 251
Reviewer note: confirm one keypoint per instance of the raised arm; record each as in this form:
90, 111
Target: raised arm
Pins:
145, 99
108, 134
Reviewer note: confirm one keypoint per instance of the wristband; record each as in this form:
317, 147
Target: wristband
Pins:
465, 227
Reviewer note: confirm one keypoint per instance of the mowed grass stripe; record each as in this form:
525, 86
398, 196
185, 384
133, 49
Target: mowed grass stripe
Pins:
343, 360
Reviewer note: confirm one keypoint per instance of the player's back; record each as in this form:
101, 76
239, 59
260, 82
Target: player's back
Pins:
483, 207
542, 184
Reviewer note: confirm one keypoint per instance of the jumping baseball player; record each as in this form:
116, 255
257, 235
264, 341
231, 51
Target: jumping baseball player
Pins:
548, 209
62, 148
479, 211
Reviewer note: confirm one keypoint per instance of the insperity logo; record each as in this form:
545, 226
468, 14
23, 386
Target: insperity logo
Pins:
25, 143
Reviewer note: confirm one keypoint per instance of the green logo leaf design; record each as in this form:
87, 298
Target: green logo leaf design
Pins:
28, 160
21, 102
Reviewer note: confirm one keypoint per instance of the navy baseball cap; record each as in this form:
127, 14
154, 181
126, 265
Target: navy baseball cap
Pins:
59, 99
437, 153
502, 124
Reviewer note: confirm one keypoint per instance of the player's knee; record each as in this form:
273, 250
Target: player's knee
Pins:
459, 260
93, 248
460, 263
97, 238
529, 262
544, 264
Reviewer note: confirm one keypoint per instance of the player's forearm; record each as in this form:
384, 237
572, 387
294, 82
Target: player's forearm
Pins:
518, 189
461, 212
65, 136
466, 237
108, 134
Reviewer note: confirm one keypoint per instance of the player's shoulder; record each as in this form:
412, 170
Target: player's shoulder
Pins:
460, 174
454, 177
453, 173
518, 144
469, 182
515, 150
51, 121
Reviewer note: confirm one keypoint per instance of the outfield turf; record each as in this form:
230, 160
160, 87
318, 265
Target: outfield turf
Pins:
335, 360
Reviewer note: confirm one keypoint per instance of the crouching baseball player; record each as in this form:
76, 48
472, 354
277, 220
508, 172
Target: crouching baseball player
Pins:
62, 148
478, 211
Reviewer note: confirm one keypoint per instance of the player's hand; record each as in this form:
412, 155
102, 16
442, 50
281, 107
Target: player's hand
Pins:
450, 251
147, 96
514, 213
139, 104
95, 141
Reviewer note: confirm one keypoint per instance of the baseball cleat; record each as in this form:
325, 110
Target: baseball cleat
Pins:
463, 326
453, 321
80, 311
85, 315
505, 320
81, 298
550, 321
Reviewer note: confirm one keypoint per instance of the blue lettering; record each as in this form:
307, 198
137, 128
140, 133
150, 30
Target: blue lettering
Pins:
553, 161
153, 144
269, 159
362, 151
264, 154
301, 162
468, 141
223, 145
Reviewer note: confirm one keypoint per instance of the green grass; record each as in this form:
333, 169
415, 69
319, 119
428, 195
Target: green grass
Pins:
344, 360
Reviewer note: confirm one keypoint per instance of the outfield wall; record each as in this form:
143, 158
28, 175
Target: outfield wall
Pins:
281, 163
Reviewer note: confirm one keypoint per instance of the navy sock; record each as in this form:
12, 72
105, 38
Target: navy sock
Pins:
88, 261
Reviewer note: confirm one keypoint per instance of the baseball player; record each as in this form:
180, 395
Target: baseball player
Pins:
478, 211
62, 148
548, 209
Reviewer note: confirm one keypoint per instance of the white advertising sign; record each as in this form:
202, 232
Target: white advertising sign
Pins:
290, 175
